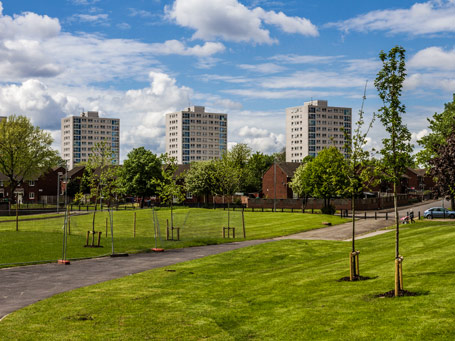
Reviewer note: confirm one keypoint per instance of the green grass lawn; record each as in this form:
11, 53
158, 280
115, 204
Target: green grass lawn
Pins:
41, 240
286, 290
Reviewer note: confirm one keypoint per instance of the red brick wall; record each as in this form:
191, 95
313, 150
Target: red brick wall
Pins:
46, 185
340, 204
282, 189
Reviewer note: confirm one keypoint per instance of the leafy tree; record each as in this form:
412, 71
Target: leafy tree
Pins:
442, 168
101, 176
257, 165
25, 151
281, 155
442, 126
139, 169
168, 186
227, 176
201, 178
359, 172
239, 155
396, 150
323, 177
238, 158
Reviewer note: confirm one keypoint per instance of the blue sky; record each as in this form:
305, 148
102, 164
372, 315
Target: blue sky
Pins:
140, 59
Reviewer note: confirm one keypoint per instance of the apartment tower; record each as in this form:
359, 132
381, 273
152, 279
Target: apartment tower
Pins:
81, 133
314, 126
195, 135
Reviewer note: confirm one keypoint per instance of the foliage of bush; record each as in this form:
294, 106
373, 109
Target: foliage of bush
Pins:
330, 209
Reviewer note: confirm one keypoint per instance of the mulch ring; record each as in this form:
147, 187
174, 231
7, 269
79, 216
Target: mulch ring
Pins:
402, 293
356, 278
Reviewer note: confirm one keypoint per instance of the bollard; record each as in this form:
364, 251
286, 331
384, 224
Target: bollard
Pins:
312, 211
419, 215
365, 215
375, 215
386, 216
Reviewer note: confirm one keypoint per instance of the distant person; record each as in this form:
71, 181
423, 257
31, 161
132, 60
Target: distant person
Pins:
411, 216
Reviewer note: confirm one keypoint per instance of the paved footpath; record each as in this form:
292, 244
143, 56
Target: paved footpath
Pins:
22, 286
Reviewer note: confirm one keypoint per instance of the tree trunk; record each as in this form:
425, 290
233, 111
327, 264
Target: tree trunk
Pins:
353, 222
398, 275
142, 201
452, 202
397, 221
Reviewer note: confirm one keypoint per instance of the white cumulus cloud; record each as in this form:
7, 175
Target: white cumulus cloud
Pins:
429, 17
232, 21
435, 58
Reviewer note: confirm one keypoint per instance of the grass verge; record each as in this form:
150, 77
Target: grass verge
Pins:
41, 240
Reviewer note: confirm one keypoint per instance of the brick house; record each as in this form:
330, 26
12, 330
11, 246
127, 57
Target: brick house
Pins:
284, 174
412, 180
39, 189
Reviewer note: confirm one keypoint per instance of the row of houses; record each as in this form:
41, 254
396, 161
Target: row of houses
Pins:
275, 184
276, 180
41, 189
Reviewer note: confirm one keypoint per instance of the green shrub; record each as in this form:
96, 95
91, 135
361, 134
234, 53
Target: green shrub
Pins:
330, 209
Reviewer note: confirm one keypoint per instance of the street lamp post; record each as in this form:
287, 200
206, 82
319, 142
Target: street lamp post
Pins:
58, 189
274, 185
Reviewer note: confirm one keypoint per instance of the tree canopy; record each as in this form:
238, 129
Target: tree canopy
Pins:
442, 126
397, 149
101, 177
167, 185
25, 151
139, 169
443, 170
323, 177
257, 165
201, 178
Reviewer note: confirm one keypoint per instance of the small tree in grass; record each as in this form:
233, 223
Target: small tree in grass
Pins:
396, 150
168, 184
324, 177
228, 176
360, 174
101, 177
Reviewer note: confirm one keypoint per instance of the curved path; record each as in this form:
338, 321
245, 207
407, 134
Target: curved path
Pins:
21, 286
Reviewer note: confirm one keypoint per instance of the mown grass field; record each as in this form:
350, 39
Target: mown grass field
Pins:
42, 240
286, 290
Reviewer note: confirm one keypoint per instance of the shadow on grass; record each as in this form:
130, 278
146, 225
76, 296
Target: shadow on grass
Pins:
356, 278
402, 293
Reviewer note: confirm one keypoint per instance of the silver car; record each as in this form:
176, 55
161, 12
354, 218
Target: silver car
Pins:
439, 212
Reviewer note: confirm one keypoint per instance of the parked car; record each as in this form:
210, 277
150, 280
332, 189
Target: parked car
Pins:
438, 212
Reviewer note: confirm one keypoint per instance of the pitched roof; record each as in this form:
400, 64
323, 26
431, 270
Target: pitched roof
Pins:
289, 168
420, 172
75, 170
